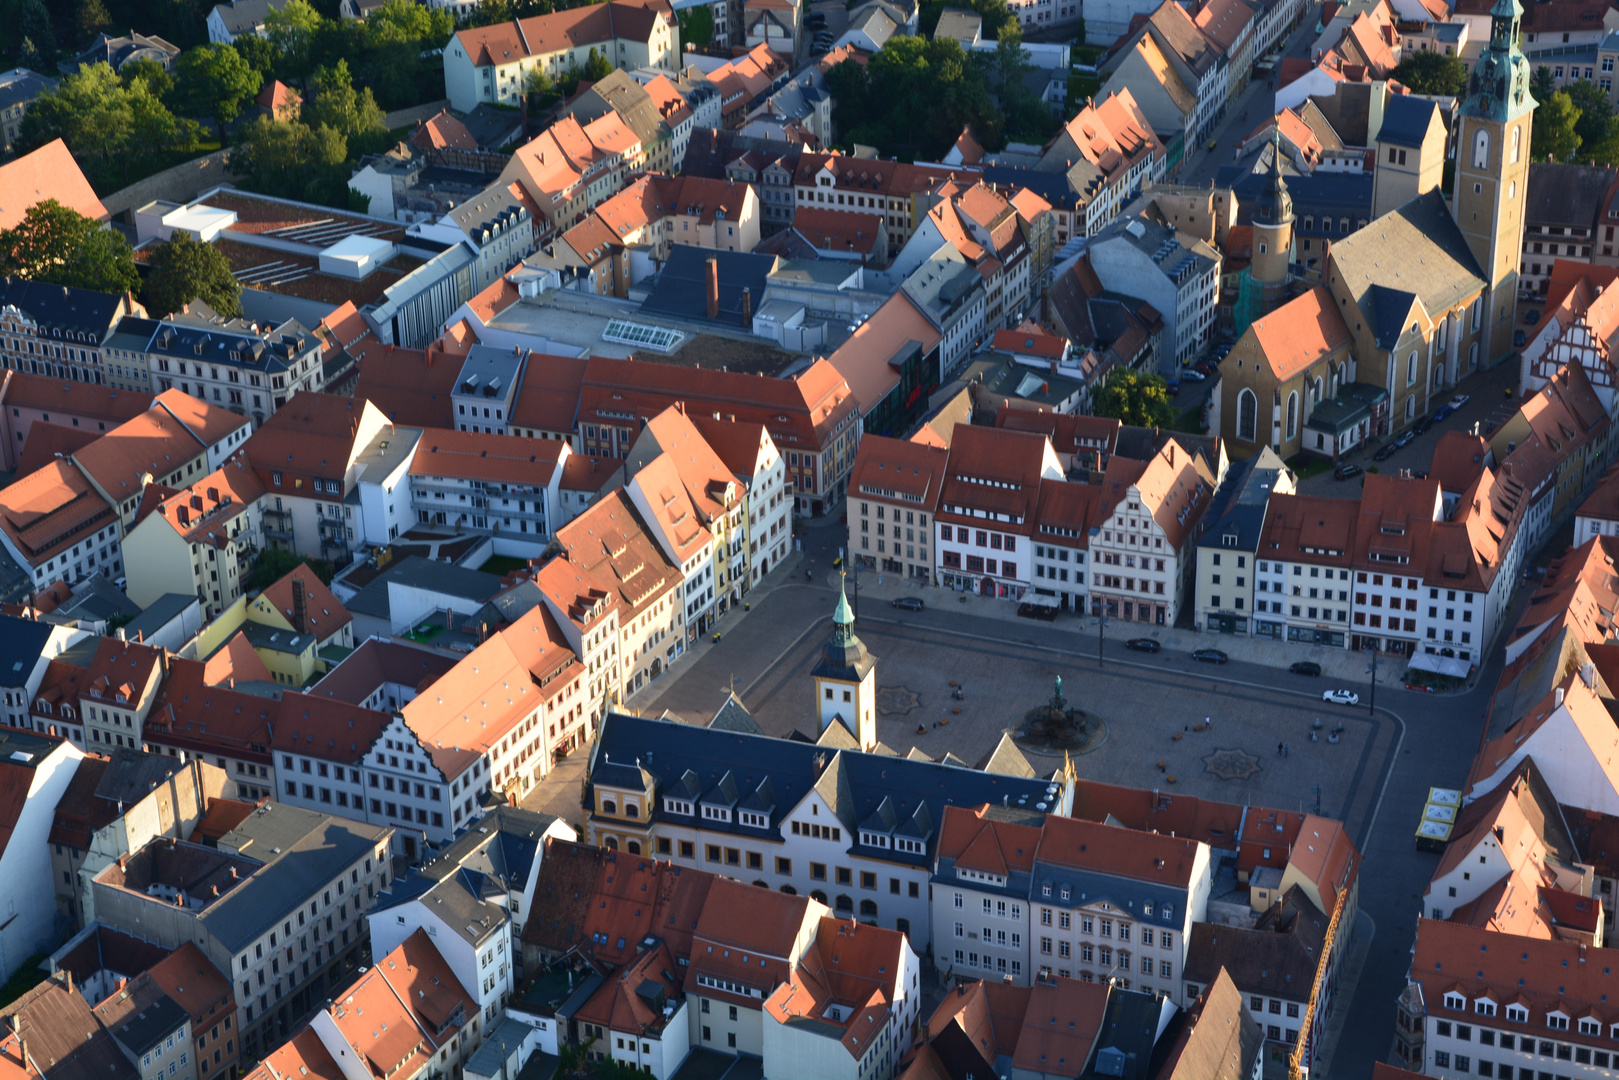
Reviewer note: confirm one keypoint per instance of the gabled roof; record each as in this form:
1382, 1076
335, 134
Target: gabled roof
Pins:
47, 173
1300, 333
1416, 248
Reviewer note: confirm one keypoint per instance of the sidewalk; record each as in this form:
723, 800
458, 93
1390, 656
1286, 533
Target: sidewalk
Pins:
1337, 665
1348, 979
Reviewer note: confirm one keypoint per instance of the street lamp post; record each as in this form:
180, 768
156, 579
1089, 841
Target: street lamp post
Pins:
1101, 621
1372, 671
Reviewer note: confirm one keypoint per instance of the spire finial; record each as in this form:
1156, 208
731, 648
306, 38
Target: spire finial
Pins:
843, 615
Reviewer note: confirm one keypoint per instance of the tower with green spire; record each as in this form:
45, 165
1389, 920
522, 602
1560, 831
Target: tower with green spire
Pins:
1492, 175
846, 678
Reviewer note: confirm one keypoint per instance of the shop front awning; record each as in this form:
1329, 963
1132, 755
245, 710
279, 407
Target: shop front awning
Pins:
1441, 665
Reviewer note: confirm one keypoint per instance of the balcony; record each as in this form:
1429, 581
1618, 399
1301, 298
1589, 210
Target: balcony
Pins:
278, 524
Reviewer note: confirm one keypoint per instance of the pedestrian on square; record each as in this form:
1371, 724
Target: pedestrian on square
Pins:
1279, 751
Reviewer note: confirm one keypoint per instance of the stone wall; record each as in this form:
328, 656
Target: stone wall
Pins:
179, 184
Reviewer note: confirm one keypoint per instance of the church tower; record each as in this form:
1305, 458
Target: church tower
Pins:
1492, 171
1273, 234
846, 679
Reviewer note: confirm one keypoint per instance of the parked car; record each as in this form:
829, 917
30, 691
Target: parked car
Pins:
1458, 401
1210, 656
1384, 452
1142, 644
1404, 439
1519, 339
909, 603
1305, 667
1442, 413
1341, 697
1193, 375
1422, 425
1532, 318
1346, 472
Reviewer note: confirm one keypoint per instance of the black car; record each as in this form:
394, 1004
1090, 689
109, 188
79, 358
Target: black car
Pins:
1519, 339
1142, 644
1305, 667
1422, 425
1210, 656
1384, 452
1346, 472
910, 603
1531, 318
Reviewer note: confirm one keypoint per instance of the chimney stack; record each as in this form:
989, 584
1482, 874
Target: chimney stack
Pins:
713, 288
747, 307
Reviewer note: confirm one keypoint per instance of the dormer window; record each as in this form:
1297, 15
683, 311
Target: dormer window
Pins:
1168, 911
1484, 1007
1588, 1026
872, 839
1065, 893
754, 820
1146, 909
677, 806
717, 813
43, 706
1557, 1021
1455, 1001
1045, 889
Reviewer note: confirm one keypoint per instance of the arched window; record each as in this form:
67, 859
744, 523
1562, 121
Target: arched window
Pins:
1247, 415
635, 847
1411, 368
1481, 149
868, 908
844, 902
1292, 414
762, 885
789, 890
818, 896
1472, 356
1262, 248
1318, 389
1517, 144
612, 843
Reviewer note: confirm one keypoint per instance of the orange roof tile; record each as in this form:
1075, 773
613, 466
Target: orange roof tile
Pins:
1301, 332
49, 511
47, 173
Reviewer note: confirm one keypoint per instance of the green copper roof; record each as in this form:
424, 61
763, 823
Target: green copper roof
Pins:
843, 615
1499, 86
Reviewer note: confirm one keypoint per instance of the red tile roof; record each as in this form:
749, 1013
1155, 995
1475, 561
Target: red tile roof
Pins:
325, 613
51, 510
485, 457
1301, 332
47, 173
443, 132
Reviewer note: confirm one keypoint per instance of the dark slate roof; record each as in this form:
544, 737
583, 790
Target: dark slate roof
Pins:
21, 642
502, 844
131, 775
1339, 194
1277, 958
424, 573
734, 716
314, 849
21, 85
62, 307
1406, 120
1239, 506
1566, 195
1050, 186
1416, 247
144, 1030
1129, 1030
162, 611
681, 289
853, 783
1087, 886
1389, 308
97, 598
246, 16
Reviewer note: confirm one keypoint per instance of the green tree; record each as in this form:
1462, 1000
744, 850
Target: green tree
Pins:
412, 23
275, 564
260, 55
597, 66
1595, 112
216, 82
1541, 85
295, 161
34, 27
117, 133
158, 82
1428, 72
1605, 149
91, 18
59, 245
1134, 398
697, 26
355, 114
292, 33
186, 269
539, 85
1555, 137
914, 97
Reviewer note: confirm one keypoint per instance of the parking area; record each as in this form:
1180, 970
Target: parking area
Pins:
1487, 406
1234, 758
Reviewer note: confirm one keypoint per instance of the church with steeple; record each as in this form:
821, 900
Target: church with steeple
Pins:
846, 679
1410, 305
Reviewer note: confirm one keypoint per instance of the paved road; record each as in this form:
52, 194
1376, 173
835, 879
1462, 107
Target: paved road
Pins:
1440, 736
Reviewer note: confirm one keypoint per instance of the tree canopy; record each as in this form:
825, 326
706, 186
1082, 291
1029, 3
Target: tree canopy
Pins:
1555, 136
215, 81
56, 244
913, 98
117, 133
295, 161
186, 269
1134, 398
1428, 72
